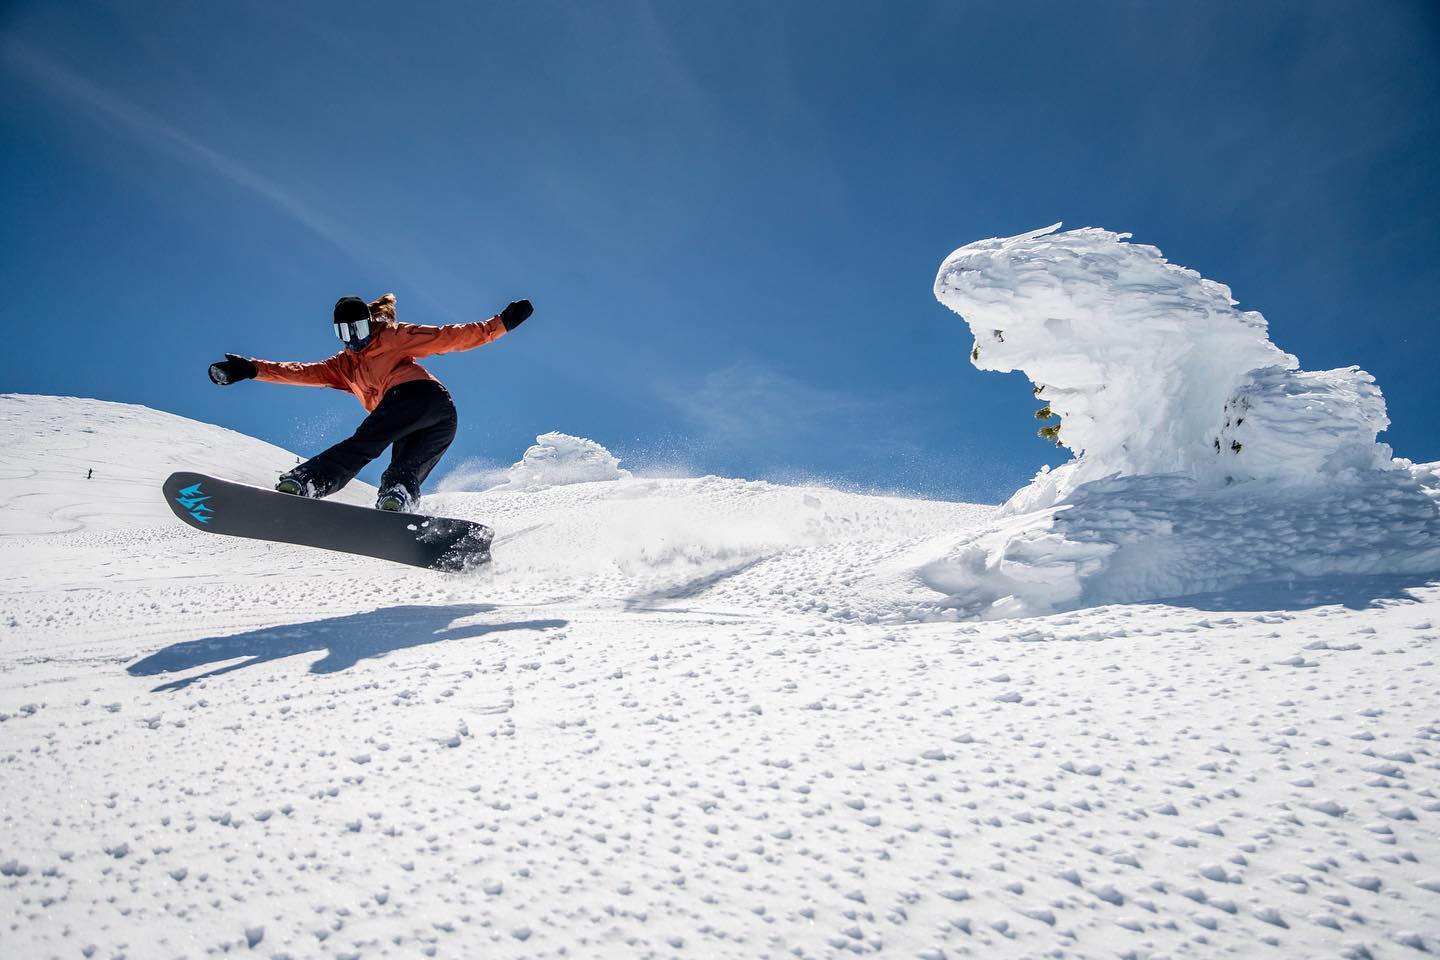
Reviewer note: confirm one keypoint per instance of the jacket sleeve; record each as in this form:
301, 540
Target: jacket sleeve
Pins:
322, 374
424, 341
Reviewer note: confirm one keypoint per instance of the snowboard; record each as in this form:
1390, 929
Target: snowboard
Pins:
240, 510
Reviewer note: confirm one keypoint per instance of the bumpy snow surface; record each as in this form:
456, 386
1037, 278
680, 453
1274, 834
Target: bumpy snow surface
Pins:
678, 718
1205, 458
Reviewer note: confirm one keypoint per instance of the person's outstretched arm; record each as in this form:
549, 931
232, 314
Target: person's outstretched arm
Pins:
426, 341
233, 369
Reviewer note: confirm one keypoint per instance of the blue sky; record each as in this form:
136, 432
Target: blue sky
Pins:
728, 216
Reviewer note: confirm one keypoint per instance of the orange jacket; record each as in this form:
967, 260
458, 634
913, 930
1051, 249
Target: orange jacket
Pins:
388, 360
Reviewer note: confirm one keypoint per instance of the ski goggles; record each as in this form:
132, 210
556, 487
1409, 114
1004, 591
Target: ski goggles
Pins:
356, 332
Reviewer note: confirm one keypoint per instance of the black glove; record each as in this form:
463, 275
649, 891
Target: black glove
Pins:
232, 369
515, 314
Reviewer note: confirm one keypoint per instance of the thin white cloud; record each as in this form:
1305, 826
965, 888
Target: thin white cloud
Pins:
132, 119
753, 403
679, 80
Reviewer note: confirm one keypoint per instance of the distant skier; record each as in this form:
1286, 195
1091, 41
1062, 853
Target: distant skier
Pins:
410, 411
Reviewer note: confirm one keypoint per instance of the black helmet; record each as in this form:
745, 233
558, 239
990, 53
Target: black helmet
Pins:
350, 309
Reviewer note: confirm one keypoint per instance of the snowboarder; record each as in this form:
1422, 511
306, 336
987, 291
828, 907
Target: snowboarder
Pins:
410, 411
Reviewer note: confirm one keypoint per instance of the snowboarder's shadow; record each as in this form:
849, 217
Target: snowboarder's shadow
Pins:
346, 640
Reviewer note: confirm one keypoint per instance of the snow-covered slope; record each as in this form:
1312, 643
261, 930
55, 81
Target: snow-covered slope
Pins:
1204, 459
678, 718
73, 465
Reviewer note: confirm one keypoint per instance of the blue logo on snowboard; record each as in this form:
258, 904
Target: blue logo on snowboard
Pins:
194, 501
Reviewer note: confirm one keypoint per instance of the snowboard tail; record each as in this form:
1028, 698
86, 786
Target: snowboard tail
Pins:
240, 510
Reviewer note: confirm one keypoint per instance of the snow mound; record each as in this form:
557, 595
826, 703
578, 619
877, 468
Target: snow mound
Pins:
1203, 456
1128, 539
558, 459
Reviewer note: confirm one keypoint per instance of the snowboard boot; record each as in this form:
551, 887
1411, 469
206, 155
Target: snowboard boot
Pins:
396, 500
295, 486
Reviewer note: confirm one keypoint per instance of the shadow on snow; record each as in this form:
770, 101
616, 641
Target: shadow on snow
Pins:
346, 640
1352, 592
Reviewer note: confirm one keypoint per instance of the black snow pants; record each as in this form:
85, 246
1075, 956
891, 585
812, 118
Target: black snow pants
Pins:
415, 419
